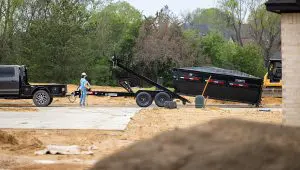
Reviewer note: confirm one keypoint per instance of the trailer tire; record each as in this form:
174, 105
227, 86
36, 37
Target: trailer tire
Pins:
161, 98
144, 99
41, 98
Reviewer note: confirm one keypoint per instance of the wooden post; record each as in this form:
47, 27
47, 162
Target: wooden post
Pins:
206, 86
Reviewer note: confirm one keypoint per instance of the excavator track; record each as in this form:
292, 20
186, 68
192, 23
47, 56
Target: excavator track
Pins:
272, 92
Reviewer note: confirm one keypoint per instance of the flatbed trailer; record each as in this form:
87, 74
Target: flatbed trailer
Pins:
144, 98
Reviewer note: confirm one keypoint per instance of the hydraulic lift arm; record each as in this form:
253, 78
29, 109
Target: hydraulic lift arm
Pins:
115, 62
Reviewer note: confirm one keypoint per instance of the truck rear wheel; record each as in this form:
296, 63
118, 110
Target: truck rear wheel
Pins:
144, 99
41, 98
161, 98
51, 100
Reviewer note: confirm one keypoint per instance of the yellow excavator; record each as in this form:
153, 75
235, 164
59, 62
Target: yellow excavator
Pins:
273, 78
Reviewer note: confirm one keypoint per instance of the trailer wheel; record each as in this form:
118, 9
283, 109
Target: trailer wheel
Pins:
161, 98
144, 99
41, 98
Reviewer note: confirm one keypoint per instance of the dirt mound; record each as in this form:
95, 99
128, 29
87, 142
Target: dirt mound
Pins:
19, 142
6, 138
30, 144
27, 145
219, 144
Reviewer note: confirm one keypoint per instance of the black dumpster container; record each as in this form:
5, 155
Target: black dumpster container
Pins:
224, 84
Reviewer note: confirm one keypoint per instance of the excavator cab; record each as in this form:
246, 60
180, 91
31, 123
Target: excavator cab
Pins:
275, 71
273, 78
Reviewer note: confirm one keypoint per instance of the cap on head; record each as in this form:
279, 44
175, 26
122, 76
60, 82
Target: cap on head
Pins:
83, 74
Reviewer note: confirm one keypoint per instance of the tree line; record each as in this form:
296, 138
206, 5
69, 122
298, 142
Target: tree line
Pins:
59, 39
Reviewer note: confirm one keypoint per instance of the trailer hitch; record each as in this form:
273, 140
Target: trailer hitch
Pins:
72, 97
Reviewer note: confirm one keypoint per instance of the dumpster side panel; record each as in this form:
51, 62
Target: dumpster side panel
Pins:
222, 87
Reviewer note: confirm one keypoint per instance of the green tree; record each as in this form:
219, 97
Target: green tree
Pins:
56, 48
192, 43
230, 55
8, 26
213, 17
113, 30
236, 13
211, 45
116, 28
265, 30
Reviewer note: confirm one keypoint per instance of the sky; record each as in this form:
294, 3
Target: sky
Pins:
150, 7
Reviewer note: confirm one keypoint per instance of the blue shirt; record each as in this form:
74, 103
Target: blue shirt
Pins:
83, 83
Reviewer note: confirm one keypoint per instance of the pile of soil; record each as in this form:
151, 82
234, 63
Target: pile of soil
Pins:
219, 144
20, 143
6, 138
28, 145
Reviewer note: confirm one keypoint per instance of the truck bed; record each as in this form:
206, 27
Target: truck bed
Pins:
55, 90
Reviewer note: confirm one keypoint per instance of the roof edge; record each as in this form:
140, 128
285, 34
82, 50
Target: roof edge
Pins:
283, 7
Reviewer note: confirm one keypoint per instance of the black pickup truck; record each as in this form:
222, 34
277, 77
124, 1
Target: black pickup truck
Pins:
14, 85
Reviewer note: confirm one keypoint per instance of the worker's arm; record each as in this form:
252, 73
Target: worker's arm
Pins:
87, 85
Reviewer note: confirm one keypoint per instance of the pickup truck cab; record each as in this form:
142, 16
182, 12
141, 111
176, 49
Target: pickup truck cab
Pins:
14, 85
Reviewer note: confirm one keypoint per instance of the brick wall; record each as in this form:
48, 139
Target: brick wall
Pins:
290, 25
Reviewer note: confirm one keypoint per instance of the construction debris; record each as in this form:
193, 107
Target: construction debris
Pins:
64, 150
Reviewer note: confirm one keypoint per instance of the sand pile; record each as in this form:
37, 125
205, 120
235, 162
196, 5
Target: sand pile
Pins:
20, 143
219, 144
6, 138
30, 144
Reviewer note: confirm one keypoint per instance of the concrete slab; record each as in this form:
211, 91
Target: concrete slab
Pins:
102, 118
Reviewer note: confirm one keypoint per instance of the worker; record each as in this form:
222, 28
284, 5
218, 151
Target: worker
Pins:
84, 86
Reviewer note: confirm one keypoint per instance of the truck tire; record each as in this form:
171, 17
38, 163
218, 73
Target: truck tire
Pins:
41, 98
161, 98
144, 99
51, 100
